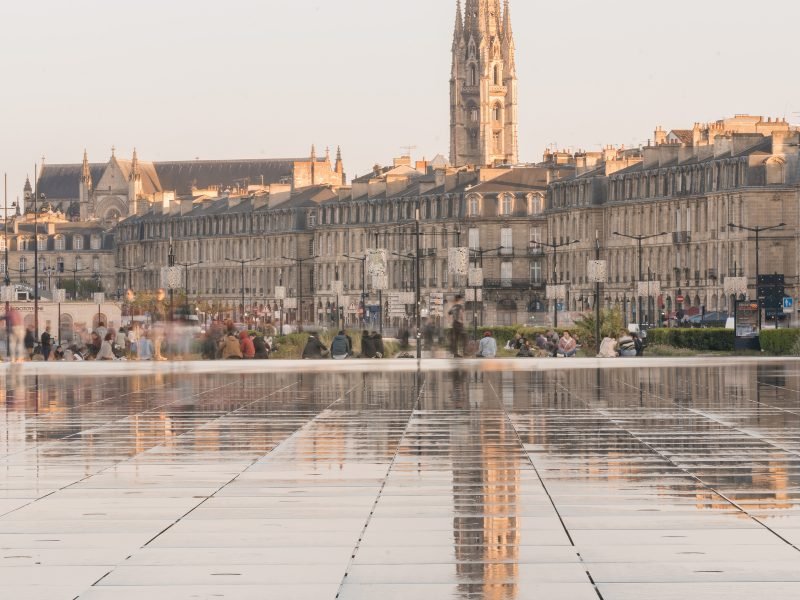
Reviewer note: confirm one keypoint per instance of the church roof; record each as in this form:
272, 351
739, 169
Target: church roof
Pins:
59, 182
181, 176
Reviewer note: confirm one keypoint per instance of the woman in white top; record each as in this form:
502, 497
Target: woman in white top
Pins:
608, 348
106, 351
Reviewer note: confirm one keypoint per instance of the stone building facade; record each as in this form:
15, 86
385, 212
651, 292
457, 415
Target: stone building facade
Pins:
483, 86
75, 255
689, 185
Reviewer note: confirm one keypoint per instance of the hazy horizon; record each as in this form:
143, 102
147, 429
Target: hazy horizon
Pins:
254, 79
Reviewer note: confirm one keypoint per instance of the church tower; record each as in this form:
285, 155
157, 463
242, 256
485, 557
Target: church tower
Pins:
483, 86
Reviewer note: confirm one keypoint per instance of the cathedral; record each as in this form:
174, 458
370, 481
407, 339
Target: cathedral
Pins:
483, 86
121, 188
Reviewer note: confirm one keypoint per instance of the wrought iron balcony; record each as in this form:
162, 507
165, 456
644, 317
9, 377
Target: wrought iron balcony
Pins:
681, 237
512, 284
535, 250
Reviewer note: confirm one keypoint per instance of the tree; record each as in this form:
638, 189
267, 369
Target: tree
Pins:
611, 323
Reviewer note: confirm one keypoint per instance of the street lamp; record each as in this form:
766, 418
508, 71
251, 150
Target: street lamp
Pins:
35, 196
555, 246
75, 272
243, 263
363, 260
186, 278
7, 276
479, 253
299, 262
757, 230
639, 239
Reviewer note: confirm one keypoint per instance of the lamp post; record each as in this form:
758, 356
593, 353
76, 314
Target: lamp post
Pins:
243, 262
299, 262
6, 276
555, 246
639, 239
75, 272
363, 260
186, 278
35, 197
479, 254
757, 230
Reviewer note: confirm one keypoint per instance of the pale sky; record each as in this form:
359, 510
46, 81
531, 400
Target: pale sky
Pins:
180, 79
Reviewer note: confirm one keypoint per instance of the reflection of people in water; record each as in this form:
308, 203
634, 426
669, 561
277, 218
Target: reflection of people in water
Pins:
459, 394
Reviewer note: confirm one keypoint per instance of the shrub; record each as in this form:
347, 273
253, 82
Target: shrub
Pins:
611, 323
781, 342
693, 339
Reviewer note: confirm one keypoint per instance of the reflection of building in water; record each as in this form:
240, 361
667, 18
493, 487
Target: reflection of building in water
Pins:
485, 487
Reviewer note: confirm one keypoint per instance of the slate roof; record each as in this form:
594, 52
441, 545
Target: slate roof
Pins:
516, 180
181, 176
62, 182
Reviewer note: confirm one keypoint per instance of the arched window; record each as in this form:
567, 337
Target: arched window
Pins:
60, 243
77, 242
473, 75
497, 113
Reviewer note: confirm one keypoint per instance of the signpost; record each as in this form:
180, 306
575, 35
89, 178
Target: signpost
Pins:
746, 325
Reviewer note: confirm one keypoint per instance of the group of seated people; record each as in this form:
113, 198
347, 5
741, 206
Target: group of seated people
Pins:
342, 346
625, 345
544, 345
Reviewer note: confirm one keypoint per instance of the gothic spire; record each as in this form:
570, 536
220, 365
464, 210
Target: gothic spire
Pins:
86, 172
313, 152
507, 31
27, 187
135, 171
458, 31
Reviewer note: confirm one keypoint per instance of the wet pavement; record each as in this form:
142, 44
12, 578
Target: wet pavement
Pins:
660, 483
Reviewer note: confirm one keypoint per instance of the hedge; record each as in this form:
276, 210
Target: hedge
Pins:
780, 342
694, 339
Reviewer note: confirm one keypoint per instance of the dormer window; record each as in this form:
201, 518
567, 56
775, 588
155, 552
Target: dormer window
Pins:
77, 242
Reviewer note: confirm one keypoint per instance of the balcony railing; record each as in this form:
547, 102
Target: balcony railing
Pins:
506, 251
681, 237
512, 284
535, 250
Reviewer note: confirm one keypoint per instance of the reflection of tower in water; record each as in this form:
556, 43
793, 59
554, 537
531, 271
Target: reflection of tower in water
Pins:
485, 488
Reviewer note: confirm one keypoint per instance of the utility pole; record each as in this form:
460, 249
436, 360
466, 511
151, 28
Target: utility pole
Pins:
597, 297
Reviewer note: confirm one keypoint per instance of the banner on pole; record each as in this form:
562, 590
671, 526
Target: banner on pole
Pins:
376, 262
458, 261
476, 277
598, 271
171, 278
280, 292
59, 295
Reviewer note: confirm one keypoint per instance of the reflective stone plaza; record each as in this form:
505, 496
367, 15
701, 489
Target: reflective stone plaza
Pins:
497, 480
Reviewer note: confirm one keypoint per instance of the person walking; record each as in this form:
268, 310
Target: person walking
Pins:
17, 326
456, 313
144, 347
30, 342
488, 346
47, 343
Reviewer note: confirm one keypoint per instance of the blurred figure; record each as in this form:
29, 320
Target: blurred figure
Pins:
145, 347
608, 348
17, 326
367, 345
626, 345
47, 343
637, 341
261, 348
58, 353
488, 346
231, 347
457, 338
314, 348
246, 345
106, 350
30, 341
377, 344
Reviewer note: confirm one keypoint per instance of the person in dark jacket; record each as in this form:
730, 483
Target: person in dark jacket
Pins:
47, 343
314, 348
260, 345
377, 344
340, 347
367, 346
30, 342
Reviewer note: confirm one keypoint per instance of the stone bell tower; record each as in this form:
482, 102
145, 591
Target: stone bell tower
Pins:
483, 86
